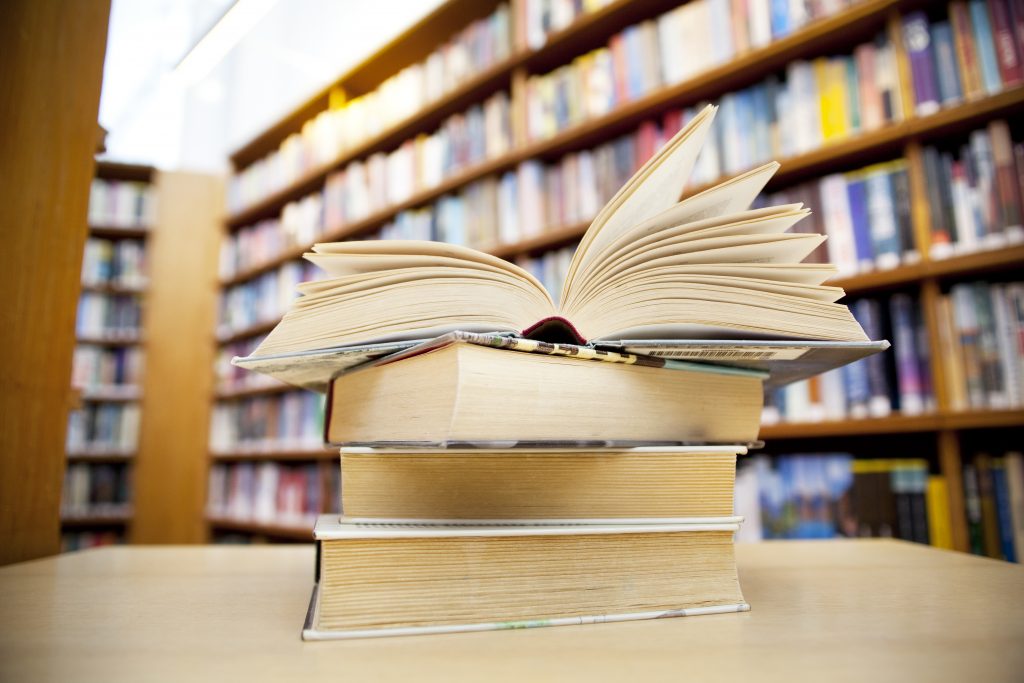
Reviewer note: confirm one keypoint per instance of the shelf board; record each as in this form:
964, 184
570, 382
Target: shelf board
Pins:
275, 530
87, 396
247, 332
745, 68
109, 341
895, 424
112, 289
325, 453
101, 457
95, 520
245, 392
832, 156
113, 232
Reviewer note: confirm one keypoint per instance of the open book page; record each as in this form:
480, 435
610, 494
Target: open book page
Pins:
775, 220
725, 199
651, 190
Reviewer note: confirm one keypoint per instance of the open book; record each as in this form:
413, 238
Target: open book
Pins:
649, 266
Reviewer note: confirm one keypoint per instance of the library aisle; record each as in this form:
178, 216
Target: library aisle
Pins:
775, 384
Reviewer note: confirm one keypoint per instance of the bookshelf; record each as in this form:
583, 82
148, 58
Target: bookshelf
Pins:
103, 430
839, 33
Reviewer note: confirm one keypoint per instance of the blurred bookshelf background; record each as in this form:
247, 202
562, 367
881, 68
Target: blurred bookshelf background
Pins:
505, 126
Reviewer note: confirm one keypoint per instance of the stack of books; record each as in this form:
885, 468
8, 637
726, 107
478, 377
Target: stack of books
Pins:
508, 462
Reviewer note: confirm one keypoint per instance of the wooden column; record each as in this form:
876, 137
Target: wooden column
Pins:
179, 320
51, 67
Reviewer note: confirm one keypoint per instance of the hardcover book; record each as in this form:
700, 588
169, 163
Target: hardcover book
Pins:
403, 579
485, 394
541, 485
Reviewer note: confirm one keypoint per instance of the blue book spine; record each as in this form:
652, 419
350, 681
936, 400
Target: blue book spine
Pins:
986, 45
856, 192
1003, 513
945, 61
780, 19
634, 62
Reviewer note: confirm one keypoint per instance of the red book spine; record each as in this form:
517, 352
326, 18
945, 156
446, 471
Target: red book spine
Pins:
966, 52
1010, 69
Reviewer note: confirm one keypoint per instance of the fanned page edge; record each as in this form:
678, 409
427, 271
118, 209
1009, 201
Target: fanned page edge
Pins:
699, 126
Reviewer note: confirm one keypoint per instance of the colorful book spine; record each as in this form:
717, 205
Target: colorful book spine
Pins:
917, 41
984, 41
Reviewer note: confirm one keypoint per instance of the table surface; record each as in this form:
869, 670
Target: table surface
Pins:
821, 610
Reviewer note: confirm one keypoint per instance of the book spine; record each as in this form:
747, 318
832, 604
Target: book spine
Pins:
947, 71
966, 51
1004, 518
858, 202
984, 41
917, 41
1011, 71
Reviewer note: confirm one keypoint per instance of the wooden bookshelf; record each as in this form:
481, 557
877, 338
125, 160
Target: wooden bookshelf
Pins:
839, 32
834, 156
113, 171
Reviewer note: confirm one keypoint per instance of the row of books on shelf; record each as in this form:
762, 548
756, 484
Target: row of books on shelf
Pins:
120, 263
678, 44
96, 490
804, 496
896, 380
834, 494
994, 502
865, 212
981, 338
262, 299
81, 540
815, 101
121, 203
108, 315
103, 428
277, 494
364, 187
973, 49
292, 420
99, 370
976, 192
346, 125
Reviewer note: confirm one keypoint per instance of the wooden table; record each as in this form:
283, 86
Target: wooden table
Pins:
825, 610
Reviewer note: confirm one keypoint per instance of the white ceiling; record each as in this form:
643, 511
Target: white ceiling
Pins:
296, 48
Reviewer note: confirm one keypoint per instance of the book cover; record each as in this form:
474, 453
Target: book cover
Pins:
558, 540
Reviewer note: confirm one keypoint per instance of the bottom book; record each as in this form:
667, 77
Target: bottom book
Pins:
404, 579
